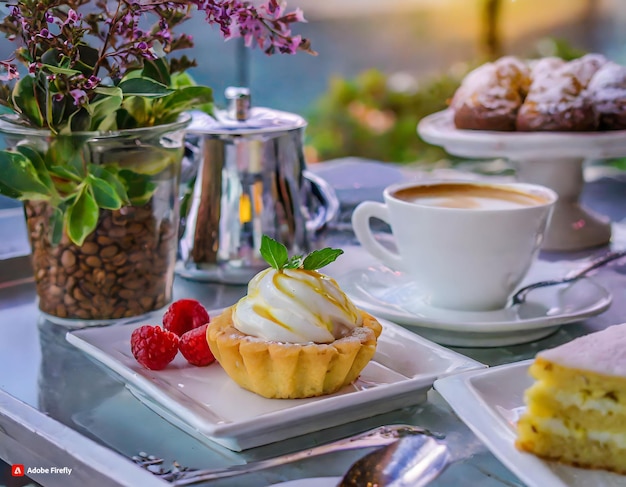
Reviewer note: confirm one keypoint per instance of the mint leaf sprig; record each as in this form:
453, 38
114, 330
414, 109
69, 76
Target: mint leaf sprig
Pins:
276, 255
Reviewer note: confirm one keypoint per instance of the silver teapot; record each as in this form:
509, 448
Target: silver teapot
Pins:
251, 180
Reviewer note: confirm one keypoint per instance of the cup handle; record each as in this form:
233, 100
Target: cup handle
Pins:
327, 198
361, 225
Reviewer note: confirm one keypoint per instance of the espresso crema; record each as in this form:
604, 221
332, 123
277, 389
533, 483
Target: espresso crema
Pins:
469, 196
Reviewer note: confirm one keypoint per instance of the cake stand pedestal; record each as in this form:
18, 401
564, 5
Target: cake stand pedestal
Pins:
552, 159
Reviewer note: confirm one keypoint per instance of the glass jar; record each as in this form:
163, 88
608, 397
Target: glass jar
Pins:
125, 267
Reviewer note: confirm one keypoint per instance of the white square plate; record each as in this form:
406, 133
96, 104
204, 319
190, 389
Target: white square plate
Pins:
206, 403
490, 402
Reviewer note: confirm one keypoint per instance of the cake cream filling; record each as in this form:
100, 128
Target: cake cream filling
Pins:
557, 427
586, 403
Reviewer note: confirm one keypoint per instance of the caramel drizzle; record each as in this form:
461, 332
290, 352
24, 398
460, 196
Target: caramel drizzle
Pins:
282, 283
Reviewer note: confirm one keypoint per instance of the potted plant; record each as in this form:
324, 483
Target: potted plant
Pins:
94, 136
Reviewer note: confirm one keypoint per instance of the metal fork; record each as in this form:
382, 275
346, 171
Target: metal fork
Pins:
377, 437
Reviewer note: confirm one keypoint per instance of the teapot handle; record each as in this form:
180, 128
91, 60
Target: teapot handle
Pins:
329, 207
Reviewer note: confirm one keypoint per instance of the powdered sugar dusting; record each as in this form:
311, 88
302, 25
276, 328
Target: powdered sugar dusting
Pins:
497, 86
603, 352
608, 88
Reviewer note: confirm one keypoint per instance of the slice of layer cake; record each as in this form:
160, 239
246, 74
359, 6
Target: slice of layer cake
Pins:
576, 411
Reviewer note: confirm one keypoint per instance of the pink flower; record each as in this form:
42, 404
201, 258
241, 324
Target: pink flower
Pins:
92, 82
45, 33
8, 71
79, 96
73, 17
296, 16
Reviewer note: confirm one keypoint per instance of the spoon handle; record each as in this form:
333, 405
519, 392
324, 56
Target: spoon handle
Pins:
520, 296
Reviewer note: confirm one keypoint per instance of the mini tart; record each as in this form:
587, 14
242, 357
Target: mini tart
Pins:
291, 370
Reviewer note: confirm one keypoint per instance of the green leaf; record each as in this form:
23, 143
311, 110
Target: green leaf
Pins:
137, 109
65, 173
104, 194
274, 253
107, 123
181, 80
56, 225
108, 91
144, 87
157, 70
25, 99
187, 98
59, 70
101, 108
320, 258
58, 110
50, 57
9, 192
19, 176
81, 216
109, 174
87, 59
138, 186
80, 120
38, 163
66, 151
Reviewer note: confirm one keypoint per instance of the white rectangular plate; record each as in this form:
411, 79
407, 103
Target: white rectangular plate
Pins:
206, 403
490, 401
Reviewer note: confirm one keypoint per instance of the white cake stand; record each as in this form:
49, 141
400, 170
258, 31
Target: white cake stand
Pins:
552, 159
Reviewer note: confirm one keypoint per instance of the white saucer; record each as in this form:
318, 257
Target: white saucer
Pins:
391, 295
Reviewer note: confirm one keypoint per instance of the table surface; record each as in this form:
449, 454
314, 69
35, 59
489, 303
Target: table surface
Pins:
58, 408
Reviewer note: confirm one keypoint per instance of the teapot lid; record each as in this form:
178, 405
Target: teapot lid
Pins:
242, 119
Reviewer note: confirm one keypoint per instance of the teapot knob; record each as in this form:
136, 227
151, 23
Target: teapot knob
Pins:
238, 102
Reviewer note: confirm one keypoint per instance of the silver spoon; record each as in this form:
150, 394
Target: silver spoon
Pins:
413, 461
520, 296
377, 437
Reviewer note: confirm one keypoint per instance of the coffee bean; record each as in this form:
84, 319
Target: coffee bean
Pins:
109, 251
88, 288
55, 291
127, 294
79, 295
135, 228
118, 312
136, 257
119, 259
68, 259
99, 276
89, 248
135, 284
60, 311
93, 261
146, 302
83, 313
116, 232
104, 240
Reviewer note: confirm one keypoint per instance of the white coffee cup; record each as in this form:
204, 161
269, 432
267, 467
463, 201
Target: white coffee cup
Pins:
466, 244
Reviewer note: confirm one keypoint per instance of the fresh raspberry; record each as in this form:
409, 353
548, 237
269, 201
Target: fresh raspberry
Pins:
184, 315
195, 347
153, 347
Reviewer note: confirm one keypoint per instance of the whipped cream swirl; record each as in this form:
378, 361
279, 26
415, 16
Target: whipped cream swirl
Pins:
295, 306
